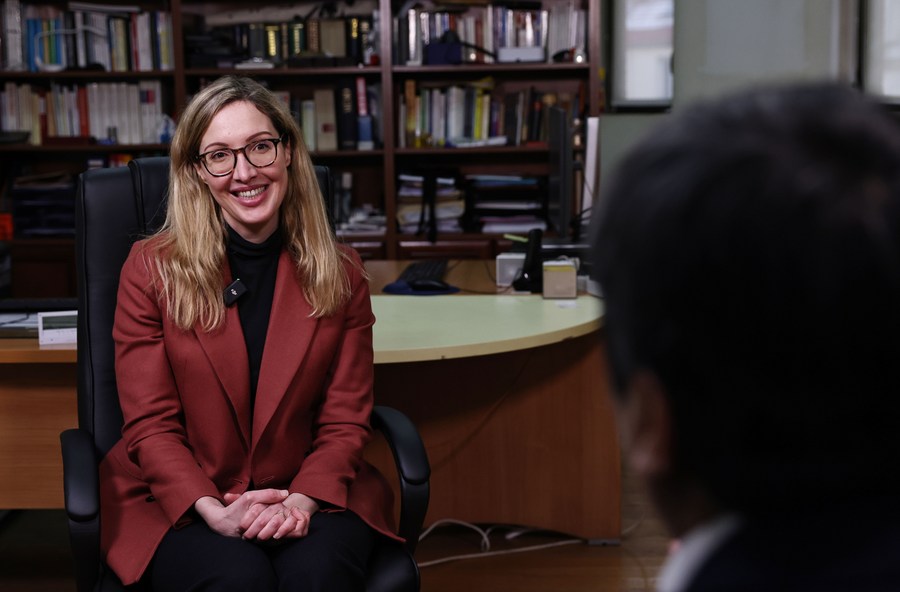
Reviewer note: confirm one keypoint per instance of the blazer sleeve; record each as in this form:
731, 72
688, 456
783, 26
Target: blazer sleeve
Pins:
341, 426
153, 430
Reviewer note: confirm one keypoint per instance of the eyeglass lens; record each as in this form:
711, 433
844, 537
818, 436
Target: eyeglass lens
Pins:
259, 154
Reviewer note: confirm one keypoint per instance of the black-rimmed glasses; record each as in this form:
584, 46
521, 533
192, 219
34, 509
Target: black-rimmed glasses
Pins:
259, 153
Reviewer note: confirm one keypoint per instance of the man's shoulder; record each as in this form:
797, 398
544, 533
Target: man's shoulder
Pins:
834, 555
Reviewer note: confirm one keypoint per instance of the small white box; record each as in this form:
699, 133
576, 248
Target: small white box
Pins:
57, 327
560, 279
521, 54
508, 267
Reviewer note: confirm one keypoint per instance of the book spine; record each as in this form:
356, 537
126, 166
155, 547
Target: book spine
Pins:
354, 41
346, 109
326, 120
308, 123
13, 58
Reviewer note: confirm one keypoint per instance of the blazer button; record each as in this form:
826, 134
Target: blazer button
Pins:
150, 498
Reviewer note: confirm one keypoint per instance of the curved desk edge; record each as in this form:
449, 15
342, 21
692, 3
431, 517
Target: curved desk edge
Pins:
550, 331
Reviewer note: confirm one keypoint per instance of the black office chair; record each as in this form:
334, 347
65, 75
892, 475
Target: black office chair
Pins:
114, 208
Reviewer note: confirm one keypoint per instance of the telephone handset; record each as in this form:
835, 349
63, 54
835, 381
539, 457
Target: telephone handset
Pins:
531, 279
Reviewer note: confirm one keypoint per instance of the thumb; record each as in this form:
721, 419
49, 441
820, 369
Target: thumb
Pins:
267, 496
231, 497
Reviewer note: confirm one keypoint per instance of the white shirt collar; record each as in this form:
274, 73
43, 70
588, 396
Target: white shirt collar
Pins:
693, 550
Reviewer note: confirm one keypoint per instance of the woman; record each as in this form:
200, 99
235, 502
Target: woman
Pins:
244, 366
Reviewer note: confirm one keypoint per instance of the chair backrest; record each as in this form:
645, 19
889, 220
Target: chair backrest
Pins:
114, 208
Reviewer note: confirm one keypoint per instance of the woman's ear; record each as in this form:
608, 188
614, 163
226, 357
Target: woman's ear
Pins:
645, 425
198, 168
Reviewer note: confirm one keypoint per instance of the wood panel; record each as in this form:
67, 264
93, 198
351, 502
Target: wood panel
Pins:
520, 438
37, 402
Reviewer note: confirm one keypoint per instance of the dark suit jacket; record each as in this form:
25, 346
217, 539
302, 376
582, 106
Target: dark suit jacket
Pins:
852, 550
189, 431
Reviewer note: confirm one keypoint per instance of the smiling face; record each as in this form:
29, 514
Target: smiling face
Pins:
250, 197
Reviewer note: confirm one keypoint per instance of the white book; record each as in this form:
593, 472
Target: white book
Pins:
81, 59
24, 105
144, 50
308, 123
12, 36
93, 101
133, 114
326, 119
98, 46
145, 89
487, 31
456, 100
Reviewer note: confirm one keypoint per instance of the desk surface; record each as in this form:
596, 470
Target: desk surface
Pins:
419, 328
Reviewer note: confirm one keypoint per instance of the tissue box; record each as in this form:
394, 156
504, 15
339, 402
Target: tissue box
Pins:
560, 279
508, 267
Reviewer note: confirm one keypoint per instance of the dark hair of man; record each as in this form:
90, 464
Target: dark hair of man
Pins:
749, 256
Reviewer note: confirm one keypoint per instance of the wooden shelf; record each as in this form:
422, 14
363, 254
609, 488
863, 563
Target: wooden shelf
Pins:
375, 171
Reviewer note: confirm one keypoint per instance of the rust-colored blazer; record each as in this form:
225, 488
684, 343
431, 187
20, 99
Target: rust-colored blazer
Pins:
189, 431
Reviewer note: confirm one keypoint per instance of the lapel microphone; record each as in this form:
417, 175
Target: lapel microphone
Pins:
234, 291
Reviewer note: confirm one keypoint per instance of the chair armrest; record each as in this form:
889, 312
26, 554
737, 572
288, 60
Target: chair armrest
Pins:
412, 467
80, 475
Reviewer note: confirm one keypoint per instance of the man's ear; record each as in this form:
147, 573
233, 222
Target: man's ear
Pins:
645, 425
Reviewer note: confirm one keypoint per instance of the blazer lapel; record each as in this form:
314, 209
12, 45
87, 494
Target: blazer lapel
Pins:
227, 354
290, 333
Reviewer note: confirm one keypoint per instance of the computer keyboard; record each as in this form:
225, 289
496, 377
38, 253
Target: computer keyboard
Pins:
426, 269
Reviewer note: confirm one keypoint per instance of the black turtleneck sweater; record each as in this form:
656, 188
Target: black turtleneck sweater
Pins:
256, 266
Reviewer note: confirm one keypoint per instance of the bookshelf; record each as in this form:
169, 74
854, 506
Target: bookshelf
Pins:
372, 170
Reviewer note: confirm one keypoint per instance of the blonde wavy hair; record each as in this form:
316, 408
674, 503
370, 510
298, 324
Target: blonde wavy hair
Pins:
190, 247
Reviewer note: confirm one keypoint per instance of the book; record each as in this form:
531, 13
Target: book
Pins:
272, 44
308, 123
365, 139
296, 38
326, 119
313, 39
346, 114
354, 38
119, 43
13, 58
333, 37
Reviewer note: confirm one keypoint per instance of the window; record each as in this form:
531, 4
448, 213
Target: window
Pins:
642, 52
882, 50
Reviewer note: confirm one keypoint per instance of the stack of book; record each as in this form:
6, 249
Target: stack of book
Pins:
413, 216
43, 205
497, 204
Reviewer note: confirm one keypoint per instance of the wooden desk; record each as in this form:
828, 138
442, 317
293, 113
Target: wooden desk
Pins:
510, 395
508, 392
37, 402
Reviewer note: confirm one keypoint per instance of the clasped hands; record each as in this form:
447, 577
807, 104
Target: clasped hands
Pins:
260, 514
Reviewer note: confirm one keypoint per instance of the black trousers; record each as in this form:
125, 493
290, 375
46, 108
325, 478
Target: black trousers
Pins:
332, 557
